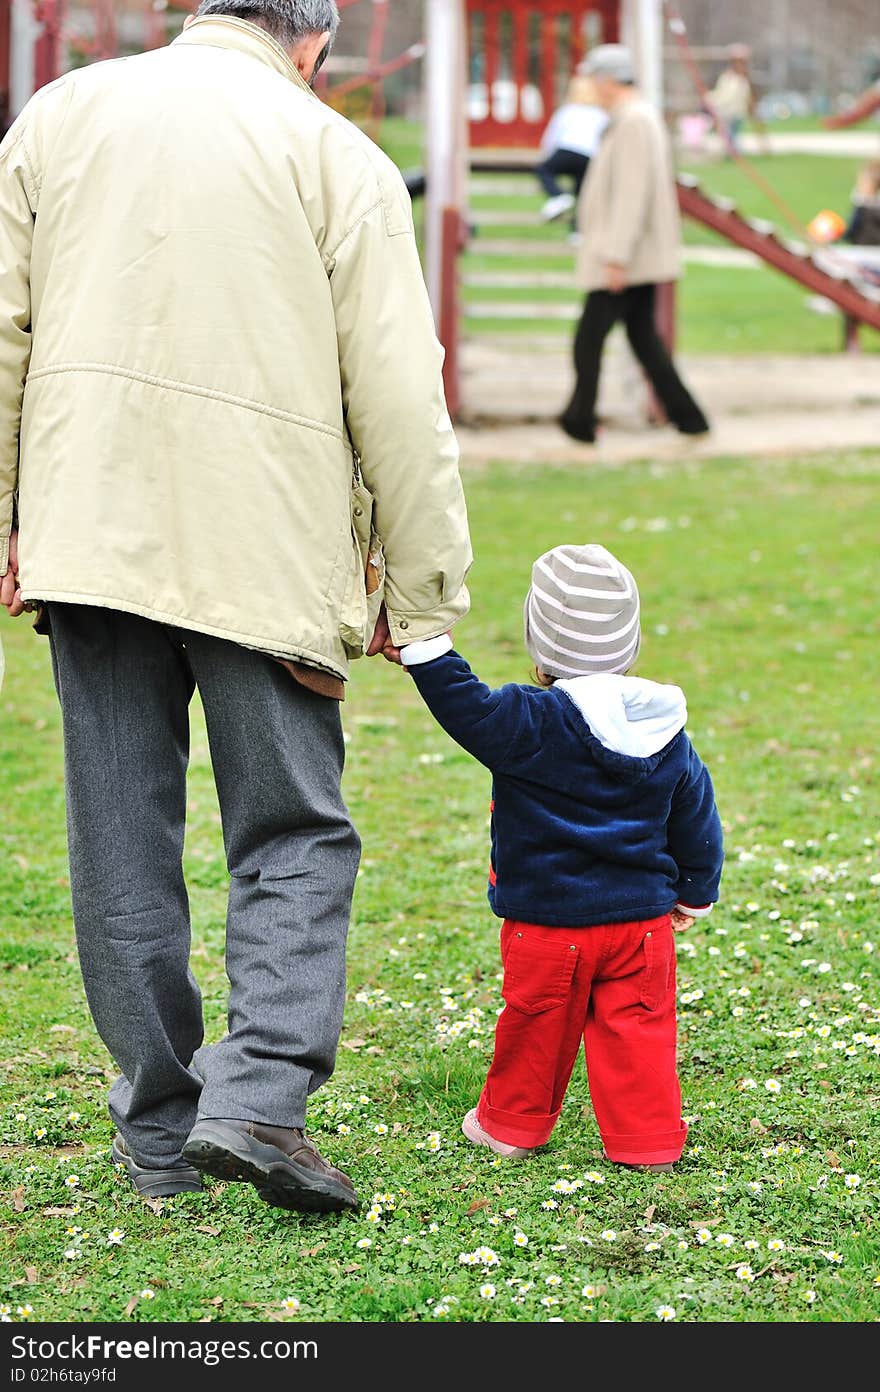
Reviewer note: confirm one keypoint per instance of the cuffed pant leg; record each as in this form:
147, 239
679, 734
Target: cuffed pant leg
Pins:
630, 1046
124, 691
277, 752
538, 1034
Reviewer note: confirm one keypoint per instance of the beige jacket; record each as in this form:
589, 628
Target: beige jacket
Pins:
628, 207
211, 304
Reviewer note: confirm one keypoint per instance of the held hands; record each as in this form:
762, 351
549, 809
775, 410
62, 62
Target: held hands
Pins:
616, 277
381, 640
680, 921
10, 590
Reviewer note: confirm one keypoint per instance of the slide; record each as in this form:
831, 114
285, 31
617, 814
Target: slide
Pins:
842, 275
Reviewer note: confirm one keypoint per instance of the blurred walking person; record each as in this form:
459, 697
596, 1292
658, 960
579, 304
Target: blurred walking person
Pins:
630, 243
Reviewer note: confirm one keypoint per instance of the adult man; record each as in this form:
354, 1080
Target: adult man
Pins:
212, 305
630, 242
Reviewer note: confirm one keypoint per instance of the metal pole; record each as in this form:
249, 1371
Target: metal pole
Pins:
443, 37
24, 33
643, 27
445, 158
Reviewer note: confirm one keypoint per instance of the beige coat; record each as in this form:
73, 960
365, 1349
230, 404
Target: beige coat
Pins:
628, 207
211, 303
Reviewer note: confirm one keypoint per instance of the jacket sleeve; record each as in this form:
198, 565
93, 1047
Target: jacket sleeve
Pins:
633, 179
488, 724
17, 205
390, 365
695, 837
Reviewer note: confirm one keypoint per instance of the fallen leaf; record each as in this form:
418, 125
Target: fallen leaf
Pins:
18, 1202
155, 1205
206, 1228
31, 1273
352, 1266
353, 1043
476, 1206
216, 1300
62, 1029
648, 1214
54, 1212
756, 1125
833, 1160
131, 1304
312, 1251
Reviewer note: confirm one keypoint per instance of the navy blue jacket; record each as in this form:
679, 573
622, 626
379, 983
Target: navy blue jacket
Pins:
580, 834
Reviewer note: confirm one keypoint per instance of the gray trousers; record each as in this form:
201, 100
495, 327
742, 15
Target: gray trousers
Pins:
125, 684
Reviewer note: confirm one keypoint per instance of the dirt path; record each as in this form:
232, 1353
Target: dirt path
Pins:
512, 394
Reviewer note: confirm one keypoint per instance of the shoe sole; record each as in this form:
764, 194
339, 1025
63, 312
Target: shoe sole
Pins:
157, 1184
477, 1136
278, 1180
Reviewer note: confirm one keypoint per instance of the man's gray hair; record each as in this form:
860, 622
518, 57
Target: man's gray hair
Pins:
286, 20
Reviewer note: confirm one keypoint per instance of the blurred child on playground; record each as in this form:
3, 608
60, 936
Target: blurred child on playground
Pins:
568, 143
858, 238
733, 97
605, 842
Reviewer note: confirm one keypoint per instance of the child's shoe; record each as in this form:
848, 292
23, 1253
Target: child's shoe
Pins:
474, 1132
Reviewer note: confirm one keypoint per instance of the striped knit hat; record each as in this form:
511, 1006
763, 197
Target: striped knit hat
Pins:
581, 613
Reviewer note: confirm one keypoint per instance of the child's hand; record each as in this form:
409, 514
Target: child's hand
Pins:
680, 921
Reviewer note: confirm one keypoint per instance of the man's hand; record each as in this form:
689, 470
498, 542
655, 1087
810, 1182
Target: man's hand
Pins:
616, 277
381, 639
680, 921
10, 590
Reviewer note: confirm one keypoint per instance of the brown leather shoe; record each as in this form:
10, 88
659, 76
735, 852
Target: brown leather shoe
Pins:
283, 1164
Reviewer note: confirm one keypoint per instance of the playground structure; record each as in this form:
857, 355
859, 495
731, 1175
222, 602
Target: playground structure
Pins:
493, 72
522, 67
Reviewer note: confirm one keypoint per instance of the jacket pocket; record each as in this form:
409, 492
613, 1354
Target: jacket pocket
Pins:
365, 586
538, 972
657, 977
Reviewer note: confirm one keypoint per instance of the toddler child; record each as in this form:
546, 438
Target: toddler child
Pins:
605, 838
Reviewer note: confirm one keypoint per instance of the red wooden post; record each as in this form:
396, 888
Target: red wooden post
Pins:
5, 56
851, 342
451, 242
664, 318
47, 49
664, 313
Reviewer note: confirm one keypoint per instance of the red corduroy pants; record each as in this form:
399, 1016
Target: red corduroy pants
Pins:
613, 986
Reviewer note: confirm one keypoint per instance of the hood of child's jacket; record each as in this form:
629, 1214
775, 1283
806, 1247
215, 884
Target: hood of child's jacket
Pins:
628, 722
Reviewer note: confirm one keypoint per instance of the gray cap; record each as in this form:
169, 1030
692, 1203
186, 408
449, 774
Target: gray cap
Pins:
581, 613
609, 60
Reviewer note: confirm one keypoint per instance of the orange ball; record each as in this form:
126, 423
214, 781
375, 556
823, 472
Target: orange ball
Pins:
826, 226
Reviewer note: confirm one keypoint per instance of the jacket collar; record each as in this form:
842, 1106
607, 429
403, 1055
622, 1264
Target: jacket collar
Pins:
225, 31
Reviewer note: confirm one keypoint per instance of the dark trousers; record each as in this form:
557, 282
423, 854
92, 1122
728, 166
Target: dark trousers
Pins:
635, 307
570, 163
125, 684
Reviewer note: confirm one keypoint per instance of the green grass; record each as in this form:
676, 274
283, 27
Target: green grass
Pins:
759, 598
